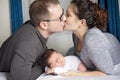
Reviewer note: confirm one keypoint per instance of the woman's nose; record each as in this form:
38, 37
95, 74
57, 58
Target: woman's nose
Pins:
64, 18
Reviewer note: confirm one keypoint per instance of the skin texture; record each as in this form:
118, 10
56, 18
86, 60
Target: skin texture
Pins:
48, 28
55, 60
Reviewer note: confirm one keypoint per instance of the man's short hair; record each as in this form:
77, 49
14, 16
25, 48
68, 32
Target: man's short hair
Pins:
39, 10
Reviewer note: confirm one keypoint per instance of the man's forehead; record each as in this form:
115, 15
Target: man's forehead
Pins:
55, 10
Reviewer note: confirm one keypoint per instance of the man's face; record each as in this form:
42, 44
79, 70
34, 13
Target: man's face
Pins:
57, 18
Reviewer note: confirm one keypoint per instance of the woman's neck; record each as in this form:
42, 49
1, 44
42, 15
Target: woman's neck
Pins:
80, 33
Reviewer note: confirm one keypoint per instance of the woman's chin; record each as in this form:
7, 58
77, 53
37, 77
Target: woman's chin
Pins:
65, 28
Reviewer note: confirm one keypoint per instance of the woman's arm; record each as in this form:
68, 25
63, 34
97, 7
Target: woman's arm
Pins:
101, 51
82, 67
91, 73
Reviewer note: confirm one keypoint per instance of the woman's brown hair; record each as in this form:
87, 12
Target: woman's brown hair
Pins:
95, 16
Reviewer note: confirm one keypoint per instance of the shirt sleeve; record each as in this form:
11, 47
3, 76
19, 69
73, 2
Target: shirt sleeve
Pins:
59, 70
98, 48
22, 64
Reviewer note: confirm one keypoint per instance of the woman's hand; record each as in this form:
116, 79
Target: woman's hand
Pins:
77, 73
70, 73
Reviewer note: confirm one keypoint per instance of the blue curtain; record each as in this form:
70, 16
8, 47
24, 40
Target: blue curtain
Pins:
112, 6
16, 14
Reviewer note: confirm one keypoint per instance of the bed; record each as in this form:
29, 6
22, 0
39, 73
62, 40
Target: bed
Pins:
51, 77
4, 76
62, 42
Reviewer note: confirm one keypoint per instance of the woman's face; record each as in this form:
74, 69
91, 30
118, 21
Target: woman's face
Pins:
72, 21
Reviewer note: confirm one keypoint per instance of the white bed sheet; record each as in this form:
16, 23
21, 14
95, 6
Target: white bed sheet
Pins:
47, 77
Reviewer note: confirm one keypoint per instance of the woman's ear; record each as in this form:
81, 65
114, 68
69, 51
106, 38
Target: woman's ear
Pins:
43, 25
83, 22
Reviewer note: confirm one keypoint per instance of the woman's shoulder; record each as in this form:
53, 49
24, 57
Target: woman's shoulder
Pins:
95, 34
95, 38
94, 31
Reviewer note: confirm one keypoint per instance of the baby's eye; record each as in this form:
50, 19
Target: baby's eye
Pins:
51, 65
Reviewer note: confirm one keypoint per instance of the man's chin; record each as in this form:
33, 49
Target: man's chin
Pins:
60, 30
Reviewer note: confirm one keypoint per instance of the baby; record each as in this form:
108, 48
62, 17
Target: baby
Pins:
57, 63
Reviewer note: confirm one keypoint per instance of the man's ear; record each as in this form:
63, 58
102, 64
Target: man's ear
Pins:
43, 25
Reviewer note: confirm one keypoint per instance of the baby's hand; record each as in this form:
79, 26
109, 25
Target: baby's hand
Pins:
49, 70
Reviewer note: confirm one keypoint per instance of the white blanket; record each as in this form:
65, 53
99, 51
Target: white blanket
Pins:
51, 77
48, 77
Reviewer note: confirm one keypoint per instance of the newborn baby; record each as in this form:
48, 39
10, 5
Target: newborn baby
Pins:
57, 63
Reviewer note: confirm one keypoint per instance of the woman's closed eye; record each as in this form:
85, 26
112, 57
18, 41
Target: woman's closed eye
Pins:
67, 15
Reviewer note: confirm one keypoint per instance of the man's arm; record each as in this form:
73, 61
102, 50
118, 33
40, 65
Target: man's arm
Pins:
22, 64
20, 68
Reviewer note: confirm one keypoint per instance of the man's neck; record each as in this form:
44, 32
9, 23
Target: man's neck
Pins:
44, 33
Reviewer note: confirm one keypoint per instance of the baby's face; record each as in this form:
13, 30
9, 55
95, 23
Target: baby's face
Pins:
56, 60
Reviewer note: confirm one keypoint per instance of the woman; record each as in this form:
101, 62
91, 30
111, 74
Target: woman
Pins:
98, 50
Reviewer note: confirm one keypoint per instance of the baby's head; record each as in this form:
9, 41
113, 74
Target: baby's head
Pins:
52, 58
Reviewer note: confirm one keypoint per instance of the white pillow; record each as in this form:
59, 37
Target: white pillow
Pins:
61, 42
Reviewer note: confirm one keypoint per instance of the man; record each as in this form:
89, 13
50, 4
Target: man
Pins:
19, 53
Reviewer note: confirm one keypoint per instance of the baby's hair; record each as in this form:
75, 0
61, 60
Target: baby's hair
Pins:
46, 55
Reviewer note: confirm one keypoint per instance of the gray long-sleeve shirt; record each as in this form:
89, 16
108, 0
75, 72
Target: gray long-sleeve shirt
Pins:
20, 52
100, 51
